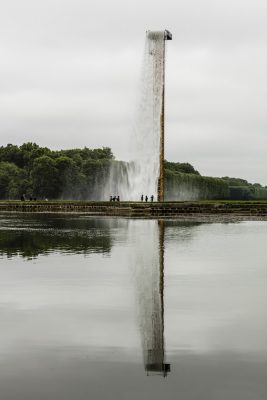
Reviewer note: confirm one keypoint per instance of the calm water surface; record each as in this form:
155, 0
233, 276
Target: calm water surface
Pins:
105, 308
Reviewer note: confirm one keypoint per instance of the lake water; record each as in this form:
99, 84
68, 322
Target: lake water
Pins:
113, 308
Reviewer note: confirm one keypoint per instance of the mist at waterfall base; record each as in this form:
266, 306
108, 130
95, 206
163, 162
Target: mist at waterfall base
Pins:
140, 175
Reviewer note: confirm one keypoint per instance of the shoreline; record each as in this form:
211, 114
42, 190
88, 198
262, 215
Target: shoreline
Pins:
253, 209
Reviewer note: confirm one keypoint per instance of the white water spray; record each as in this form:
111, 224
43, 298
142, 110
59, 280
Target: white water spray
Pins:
141, 174
143, 171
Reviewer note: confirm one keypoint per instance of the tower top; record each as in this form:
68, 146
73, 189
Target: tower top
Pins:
156, 34
167, 35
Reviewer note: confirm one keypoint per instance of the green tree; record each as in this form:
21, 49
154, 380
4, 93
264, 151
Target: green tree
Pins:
71, 181
44, 178
184, 168
11, 178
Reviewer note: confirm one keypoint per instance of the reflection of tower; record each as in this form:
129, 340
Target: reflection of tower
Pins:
155, 352
147, 237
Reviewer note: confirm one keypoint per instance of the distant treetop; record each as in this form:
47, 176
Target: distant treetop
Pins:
184, 168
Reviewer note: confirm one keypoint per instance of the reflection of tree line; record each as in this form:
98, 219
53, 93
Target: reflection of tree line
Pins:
32, 237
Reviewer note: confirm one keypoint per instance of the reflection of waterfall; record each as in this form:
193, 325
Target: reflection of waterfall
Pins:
148, 265
141, 174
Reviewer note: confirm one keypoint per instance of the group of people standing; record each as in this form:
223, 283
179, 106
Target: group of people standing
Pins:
117, 198
146, 198
114, 198
23, 198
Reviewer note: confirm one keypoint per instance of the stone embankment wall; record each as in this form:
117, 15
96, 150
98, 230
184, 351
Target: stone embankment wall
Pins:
141, 210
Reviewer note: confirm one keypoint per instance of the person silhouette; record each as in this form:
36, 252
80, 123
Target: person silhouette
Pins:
146, 198
142, 197
152, 198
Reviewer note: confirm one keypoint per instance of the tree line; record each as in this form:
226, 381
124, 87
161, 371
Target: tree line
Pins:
43, 173
40, 172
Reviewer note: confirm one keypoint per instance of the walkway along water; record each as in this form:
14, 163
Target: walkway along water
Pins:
142, 210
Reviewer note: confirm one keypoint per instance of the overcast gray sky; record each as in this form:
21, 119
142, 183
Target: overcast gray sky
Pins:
69, 73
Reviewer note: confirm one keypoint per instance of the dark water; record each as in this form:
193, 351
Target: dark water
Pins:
103, 308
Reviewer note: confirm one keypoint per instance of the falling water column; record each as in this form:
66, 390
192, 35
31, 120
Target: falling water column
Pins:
167, 36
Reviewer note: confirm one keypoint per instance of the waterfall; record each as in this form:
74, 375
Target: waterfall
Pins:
140, 175
143, 171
